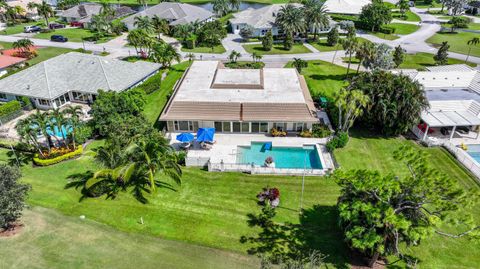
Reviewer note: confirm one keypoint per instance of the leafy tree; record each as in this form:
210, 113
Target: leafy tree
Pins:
24, 45
234, 56
315, 16
455, 6
267, 41
379, 212
375, 15
141, 41
396, 101
246, 32
290, 19
221, 7
350, 105
299, 64
159, 26
398, 56
350, 45
74, 113
365, 53
404, 6
143, 23
165, 54
211, 34
43, 9
472, 42
458, 22
333, 37
441, 58
12, 196
383, 57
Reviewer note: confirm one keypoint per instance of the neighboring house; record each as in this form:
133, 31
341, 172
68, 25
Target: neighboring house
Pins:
8, 61
73, 77
29, 13
239, 100
174, 13
262, 20
351, 7
83, 13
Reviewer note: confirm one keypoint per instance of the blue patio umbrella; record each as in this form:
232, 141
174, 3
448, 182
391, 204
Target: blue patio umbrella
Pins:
205, 134
185, 137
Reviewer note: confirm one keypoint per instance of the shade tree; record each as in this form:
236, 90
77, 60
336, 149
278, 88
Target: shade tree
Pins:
12, 196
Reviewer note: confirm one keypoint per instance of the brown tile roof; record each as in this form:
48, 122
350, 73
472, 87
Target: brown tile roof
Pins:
277, 112
6, 61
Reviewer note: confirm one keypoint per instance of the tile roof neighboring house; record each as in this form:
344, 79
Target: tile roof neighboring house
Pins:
24, 4
258, 18
175, 13
84, 12
345, 6
209, 92
76, 72
13, 52
7, 61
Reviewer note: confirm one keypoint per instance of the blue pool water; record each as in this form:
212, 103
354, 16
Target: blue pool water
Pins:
284, 157
474, 151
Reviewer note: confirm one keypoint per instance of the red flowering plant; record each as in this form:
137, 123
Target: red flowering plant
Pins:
269, 196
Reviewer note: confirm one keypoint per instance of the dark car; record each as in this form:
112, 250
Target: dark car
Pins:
32, 29
58, 38
56, 26
76, 24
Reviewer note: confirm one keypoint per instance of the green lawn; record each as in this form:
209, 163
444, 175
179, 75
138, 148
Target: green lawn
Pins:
53, 240
418, 61
422, 4
73, 35
410, 16
18, 28
157, 100
216, 50
404, 28
384, 36
276, 49
457, 41
322, 45
323, 78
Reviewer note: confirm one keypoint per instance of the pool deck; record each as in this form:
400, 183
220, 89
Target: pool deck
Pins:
224, 150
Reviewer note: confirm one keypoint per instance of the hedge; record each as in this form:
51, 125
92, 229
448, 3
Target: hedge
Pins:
9, 108
47, 162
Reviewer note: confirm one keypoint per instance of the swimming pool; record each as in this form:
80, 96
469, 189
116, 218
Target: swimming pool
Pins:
284, 157
474, 151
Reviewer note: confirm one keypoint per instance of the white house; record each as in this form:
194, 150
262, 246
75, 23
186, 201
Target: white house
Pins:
351, 7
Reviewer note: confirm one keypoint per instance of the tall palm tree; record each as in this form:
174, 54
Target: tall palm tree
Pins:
299, 64
57, 119
234, 4
221, 7
316, 16
290, 19
350, 45
234, 56
159, 25
23, 45
144, 23
26, 130
143, 3
472, 42
256, 56
365, 53
42, 121
43, 9
74, 113
165, 54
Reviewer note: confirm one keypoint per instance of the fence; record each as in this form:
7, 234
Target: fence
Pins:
252, 169
464, 158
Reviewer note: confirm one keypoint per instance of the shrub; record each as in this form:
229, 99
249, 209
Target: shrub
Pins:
191, 41
387, 30
24, 101
58, 159
12, 195
276, 133
9, 108
152, 83
320, 131
306, 134
339, 141
83, 133
245, 65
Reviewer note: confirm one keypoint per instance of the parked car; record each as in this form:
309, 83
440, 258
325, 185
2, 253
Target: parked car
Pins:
76, 24
32, 29
58, 38
56, 26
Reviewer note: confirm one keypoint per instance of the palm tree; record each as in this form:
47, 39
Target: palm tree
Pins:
24, 45
42, 121
290, 19
299, 64
43, 9
316, 16
404, 6
190, 56
256, 56
159, 25
165, 54
57, 119
26, 130
143, 22
74, 113
234, 56
183, 31
365, 53
143, 3
472, 42
350, 45
234, 4
221, 7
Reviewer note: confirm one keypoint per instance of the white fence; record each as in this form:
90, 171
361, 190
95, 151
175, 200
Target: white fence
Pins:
253, 169
463, 157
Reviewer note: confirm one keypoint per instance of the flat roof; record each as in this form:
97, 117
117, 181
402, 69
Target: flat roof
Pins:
452, 113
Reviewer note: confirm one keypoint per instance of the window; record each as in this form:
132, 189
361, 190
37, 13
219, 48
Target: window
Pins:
299, 126
264, 127
183, 126
280, 126
227, 127
236, 127
245, 127
170, 126
3, 96
255, 127
218, 126
43, 102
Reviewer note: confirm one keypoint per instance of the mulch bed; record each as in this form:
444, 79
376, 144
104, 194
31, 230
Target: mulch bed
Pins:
12, 231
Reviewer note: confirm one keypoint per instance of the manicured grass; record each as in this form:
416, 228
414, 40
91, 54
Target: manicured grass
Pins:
157, 99
276, 49
368, 152
404, 28
53, 240
457, 41
323, 78
410, 16
422, 4
18, 28
322, 45
419, 61
216, 50
384, 36
73, 35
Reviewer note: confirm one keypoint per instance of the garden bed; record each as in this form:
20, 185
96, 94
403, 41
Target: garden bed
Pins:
50, 161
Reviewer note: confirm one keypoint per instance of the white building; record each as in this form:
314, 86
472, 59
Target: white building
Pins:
351, 7
239, 100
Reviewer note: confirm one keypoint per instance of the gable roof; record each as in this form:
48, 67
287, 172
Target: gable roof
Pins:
6, 61
178, 13
259, 18
76, 72
81, 11
345, 6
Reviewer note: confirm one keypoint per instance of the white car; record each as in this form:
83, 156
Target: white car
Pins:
31, 29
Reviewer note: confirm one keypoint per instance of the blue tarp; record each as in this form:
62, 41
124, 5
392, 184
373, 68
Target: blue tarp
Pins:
205, 134
185, 137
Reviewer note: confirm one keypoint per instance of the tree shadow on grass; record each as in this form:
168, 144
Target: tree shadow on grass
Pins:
339, 77
19, 158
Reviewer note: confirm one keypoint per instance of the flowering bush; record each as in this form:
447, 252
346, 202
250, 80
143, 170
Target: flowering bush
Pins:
274, 132
269, 196
70, 154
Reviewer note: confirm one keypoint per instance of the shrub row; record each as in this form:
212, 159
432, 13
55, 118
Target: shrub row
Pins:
9, 108
152, 83
245, 65
47, 162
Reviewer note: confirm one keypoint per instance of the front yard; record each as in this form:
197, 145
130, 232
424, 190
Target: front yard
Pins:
73, 35
457, 41
216, 50
276, 49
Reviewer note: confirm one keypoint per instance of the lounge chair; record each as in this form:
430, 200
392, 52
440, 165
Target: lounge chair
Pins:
185, 145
